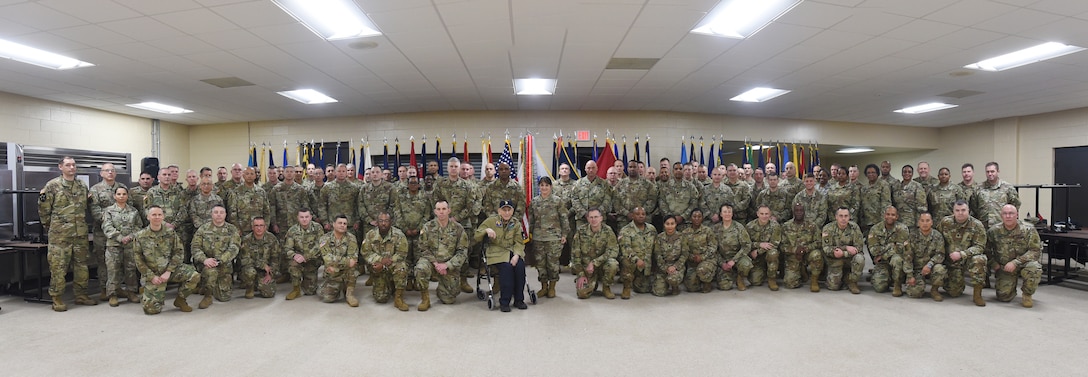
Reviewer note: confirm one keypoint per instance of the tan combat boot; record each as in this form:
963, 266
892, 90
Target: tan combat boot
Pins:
465, 288
897, 290
132, 297
84, 300
936, 295
626, 294
426, 302
249, 292
1025, 300
113, 301
295, 292
206, 302
349, 295
369, 280
607, 290
104, 296
814, 284
551, 289
58, 304
740, 284
977, 297
398, 300
854, 288
180, 303
773, 284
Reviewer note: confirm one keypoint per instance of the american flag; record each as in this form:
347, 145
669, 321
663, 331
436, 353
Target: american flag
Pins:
505, 158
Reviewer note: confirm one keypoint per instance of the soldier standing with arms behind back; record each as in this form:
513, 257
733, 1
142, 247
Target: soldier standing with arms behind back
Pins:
101, 198
62, 207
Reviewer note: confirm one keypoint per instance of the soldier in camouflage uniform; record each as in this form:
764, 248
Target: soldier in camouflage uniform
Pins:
924, 178
678, 197
136, 194
842, 242
924, 259
200, 206
274, 175
443, 246
909, 198
842, 193
339, 198
776, 198
385, 249
742, 194
411, 208
790, 180
375, 197
339, 251
550, 227
701, 255
814, 202
716, 193
248, 201
801, 249
965, 238
634, 192
733, 244
285, 199
464, 205
120, 224
62, 207
992, 195
215, 245
158, 255
1016, 247
101, 198
671, 256
299, 246
636, 242
590, 192
875, 196
260, 255
887, 244
886, 175
503, 188
942, 195
593, 256
766, 237
171, 201
968, 184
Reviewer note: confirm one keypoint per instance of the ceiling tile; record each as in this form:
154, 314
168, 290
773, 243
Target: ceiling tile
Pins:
92, 35
251, 14
91, 11
158, 7
38, 16
231, 39
969, 12
196, 21
142, 29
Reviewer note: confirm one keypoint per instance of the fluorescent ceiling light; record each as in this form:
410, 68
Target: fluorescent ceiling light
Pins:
308, 96
159, 108
41, 58
758, 147
534, 87
932, 106
331, 19
759, 95
855, 150
742, 18
1026, 56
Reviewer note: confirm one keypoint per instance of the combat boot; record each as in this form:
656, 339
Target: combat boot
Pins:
206, 302
132, 297
180, 303
426, 302
369, 280
551, 289
853, 288
607, 290
295, 292
58, 304
349, 295
977, 297
249, 292
84, 300
398, 300
740, 284
1025, 300
674, 289
465, 288
772, 283
707, 287
935, 294
104, 296
586, 291
814, 284
897, 290
113, 301
626, 294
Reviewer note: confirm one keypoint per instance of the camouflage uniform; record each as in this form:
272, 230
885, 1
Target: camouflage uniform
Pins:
136, 196
669, 251
875, 198
284, 201
395, 247
742, 195
550, 225
910, 200
701, 243
779, 201
765, 264
889, 246
316, 203
969, 238
833, 238
989, 198
678, 197
246, 203
921, 251
1022, 247
173, 207
447, 245
796, 236
118, 223
373, 200
157, 252
713, 198
941, 199
586, 194
733, 244
848, 195
337, 254
303, 242
269, 185
631, 194
815, 207
340, 198
200, 209
464, 202
101, 198
493, 193
928, 183
635, 245
222, 244
62, 208
968, 192
253, 255
409, 213
599, 248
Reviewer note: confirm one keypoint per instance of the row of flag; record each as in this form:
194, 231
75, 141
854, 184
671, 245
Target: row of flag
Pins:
803, 156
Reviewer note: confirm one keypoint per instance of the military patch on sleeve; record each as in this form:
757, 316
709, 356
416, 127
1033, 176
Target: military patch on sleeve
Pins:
322, 244
42, 198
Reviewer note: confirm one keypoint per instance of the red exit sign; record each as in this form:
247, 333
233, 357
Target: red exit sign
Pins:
581, 135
